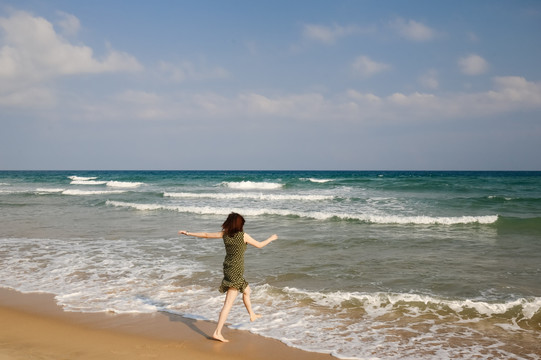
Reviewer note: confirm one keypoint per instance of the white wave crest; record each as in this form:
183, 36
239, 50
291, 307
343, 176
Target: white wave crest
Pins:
319, 181
492, 197
124, 184
206, 210
43, 191
429, 220
81, 178
292, 308
254, 196
92, 192
48, 190
118, 184
209, 210
251, 185
88, 182
7, 192
377, 304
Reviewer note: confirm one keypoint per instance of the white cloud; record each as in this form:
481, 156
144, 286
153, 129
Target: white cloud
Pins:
366, 67
473, 65
509, 94
328, 34
32, 51
516, 90
364, 98
304, 106
243, 106
413, 30
33, 97
415, 99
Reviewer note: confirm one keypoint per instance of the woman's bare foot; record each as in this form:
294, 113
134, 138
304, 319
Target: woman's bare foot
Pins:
219, 337
254, 317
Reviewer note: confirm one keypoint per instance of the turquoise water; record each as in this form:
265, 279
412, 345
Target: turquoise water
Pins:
368, 265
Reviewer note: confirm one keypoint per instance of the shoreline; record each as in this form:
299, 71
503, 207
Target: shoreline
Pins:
34, 326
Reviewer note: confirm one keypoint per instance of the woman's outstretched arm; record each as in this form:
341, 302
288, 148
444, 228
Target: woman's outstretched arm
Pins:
259, 244
215, 235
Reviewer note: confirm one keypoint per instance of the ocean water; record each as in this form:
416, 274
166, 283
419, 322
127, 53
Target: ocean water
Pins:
369, 265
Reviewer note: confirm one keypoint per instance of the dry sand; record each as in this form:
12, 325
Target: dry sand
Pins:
32, 326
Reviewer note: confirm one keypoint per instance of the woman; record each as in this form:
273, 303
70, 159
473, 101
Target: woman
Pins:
235, 241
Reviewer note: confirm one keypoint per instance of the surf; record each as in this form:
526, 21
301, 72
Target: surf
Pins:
251, 196
317, 215
252, 185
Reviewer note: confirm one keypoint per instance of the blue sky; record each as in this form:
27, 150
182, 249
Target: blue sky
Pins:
361, 85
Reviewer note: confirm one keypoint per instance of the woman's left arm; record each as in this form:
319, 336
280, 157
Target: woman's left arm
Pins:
259, 244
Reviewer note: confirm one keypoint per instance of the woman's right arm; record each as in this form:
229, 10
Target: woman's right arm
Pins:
205, 235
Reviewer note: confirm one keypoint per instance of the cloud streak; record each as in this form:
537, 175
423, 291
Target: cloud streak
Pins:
351, 106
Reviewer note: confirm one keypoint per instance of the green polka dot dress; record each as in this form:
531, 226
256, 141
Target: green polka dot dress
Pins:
234, 263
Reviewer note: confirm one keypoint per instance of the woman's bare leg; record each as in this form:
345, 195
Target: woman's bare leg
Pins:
248, 304
228, 304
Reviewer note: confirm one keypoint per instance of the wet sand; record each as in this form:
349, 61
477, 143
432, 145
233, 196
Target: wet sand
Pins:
34, 327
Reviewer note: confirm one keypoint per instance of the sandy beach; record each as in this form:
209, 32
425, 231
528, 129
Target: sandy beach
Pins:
34, 327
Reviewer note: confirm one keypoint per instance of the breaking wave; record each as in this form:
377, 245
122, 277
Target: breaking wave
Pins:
372, 219
253, 196
251, 185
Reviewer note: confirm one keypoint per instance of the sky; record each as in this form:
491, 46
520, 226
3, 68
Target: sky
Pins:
270, 85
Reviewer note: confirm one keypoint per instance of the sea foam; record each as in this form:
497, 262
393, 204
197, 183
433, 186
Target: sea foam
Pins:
82, 178
111, 183
122, 277
88, 182
252, 185
318, 181
253, 196
48, 190
379, 303
123, 184
318, 215
92, 192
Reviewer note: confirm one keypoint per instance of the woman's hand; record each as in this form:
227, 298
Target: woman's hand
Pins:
183, 232
273, 237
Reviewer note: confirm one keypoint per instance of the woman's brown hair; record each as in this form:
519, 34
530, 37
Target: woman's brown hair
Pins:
233, 224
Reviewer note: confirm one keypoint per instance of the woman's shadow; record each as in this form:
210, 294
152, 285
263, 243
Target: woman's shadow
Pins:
161, 306
191, 323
